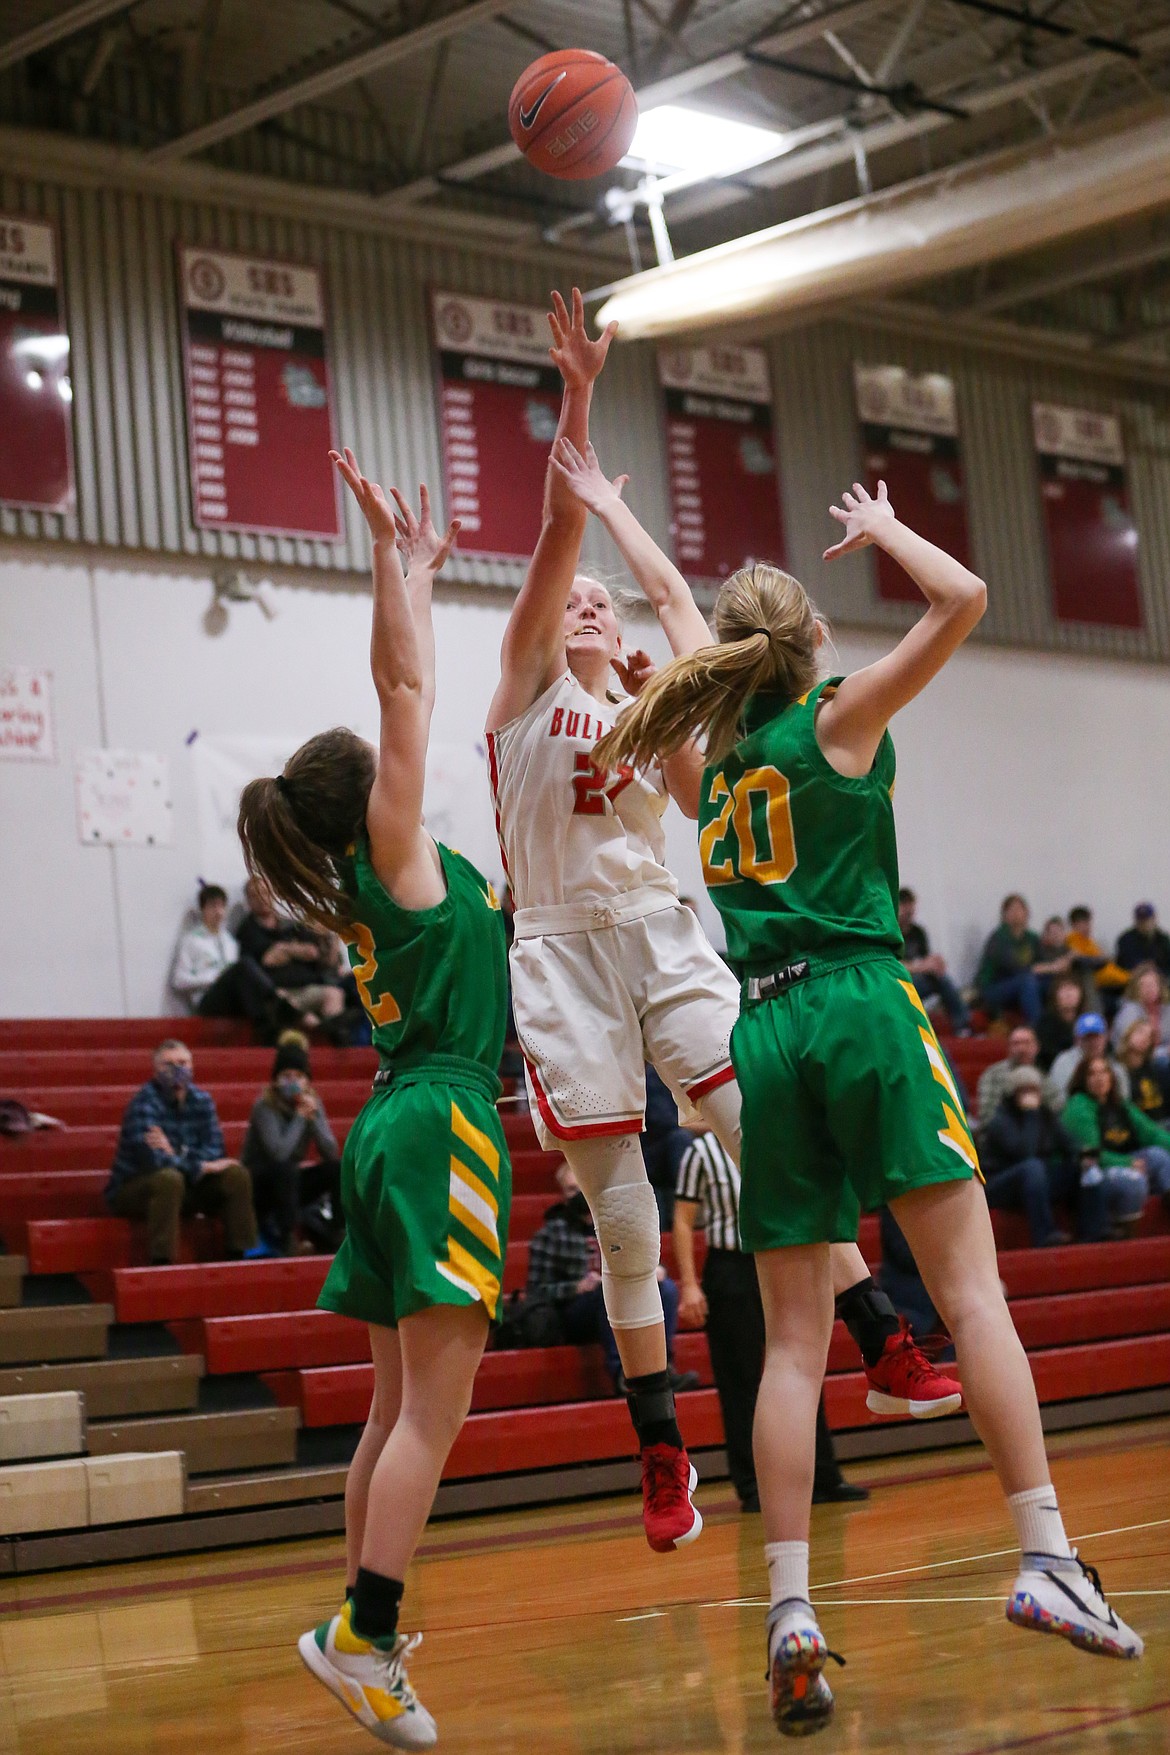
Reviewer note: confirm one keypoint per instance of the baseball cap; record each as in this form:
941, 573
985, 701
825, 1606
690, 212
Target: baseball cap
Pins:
1144, 911
1089, 1024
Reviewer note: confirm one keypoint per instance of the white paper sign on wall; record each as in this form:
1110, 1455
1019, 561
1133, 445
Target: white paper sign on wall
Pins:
26, 715
123, 799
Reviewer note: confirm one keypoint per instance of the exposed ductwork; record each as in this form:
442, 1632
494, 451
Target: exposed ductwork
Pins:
873, 247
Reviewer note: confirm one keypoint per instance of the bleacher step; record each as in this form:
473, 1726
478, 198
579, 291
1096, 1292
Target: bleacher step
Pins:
115, 1388
40, 1334
12, 1271
246, 1438
241, 1492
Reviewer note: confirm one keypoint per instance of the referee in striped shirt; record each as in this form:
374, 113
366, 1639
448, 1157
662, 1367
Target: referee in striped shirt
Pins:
728, 1300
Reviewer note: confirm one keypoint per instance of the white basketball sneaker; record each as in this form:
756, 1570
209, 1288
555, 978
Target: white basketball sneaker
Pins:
370, 1680
1065, 1597
802, 1701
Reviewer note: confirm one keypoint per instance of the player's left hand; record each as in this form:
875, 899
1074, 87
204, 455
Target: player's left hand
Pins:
635, 671
585, 476
864, 516
577, 357
376, 510
423, 549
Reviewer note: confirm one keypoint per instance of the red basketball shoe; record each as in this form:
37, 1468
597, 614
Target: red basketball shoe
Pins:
905, 1382
668, 1480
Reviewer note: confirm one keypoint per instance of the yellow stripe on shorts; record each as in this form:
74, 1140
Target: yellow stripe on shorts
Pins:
462, 1269
477, 1142
474, 1206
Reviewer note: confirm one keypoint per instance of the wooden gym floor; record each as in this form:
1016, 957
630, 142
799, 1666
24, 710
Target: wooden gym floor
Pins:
559, 1630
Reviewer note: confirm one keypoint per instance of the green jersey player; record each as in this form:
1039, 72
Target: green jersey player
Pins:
426, 1182
847, 1099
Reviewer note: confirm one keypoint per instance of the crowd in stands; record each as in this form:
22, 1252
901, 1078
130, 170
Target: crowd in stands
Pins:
170, 1161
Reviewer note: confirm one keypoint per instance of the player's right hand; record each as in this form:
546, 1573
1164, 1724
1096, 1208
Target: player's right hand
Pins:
692, 1307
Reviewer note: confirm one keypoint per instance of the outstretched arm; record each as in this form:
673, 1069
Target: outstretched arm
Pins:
851, 724
533, 652
665, 589
425, 553
403, 855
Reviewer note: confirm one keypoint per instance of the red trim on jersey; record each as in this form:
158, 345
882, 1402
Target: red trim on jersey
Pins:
576, 1130
494, 778
711, 1083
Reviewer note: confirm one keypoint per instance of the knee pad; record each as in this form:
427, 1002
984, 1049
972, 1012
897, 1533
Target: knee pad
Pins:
626, 1216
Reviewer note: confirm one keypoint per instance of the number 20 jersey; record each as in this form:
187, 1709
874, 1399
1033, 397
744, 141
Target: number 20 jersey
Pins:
569, 833
797, 857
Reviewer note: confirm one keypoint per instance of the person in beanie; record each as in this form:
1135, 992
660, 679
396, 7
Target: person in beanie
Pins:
1031, 1161
287, 1121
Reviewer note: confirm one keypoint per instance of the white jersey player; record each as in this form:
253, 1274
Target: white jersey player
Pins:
609, 968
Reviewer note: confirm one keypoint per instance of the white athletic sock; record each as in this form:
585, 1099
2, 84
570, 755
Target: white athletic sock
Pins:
787, 1570
1038, 1522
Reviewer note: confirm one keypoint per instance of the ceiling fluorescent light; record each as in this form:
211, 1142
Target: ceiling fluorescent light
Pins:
672, 138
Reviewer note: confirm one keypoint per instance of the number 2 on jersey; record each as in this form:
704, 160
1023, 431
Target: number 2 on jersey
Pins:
592, 786
380, 1011
751, 836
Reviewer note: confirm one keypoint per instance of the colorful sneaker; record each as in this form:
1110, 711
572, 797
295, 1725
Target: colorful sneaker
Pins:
802, 1701
905, 1382
370, 1680
668, 1515
1064, 1599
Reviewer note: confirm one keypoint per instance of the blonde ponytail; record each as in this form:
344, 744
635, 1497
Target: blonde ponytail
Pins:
768, 639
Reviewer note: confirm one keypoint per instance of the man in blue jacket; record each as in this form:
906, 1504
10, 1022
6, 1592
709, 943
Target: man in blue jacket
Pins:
170, 1161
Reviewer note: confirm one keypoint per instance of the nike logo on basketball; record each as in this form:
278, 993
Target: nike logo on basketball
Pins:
528, 117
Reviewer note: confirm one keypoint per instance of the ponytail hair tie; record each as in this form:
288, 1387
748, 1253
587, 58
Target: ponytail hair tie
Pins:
282, 785
767, 632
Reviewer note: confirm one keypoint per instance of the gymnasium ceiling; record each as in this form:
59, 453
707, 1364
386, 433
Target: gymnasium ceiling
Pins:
404, 104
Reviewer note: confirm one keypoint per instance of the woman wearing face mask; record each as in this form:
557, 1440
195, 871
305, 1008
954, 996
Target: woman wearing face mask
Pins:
287, 1121
1134, 1153
1030, 1160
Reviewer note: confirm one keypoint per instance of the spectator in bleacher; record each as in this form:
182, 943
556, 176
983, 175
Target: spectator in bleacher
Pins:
1099, 972
1147, 996
1144, 941
298, 960
1091, 1039
211, 976
927, 968
1134, 1153
1056, 1030
1023, 1049
1008, 976
1032, 1163
1055, 957
900, 1280
170, 1161
288, 1120
728, 1302
1149, 1078
664, 1143
564, 1274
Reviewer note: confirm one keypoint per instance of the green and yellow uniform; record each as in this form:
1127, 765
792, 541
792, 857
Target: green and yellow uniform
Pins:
426, 1182
847, 1098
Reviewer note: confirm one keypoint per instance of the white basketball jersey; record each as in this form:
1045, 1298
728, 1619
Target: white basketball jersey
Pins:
569, 833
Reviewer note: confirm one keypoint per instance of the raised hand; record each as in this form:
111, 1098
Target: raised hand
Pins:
422, 546
577, 357
376, 510
864, 517
635, 671
585, 476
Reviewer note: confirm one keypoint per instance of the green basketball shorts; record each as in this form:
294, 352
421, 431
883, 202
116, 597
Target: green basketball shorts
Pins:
848, 1102
426, 1185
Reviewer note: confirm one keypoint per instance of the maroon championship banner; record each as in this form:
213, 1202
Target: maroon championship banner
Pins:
36, 395
259, 399
721, 459
1092, 538
910, 438
499, 402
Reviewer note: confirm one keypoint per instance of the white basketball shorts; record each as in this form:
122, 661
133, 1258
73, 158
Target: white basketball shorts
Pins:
593, 1005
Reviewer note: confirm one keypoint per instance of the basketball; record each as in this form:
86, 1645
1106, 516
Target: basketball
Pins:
573, 114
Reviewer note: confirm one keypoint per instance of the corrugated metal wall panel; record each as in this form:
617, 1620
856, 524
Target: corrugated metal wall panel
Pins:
119, 268
820, 453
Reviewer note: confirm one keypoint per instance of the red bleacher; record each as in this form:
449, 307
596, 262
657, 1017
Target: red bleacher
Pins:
1095, 1318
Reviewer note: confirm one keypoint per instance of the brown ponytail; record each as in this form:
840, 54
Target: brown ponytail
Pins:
297, 828
768, 641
